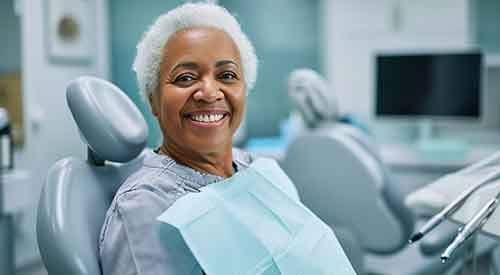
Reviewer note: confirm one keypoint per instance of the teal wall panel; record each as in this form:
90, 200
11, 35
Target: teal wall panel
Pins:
129, 19
487, 21
286, 35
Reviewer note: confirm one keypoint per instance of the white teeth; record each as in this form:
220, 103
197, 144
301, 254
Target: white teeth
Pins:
207, 118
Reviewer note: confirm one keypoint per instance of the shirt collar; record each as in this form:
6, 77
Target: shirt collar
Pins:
185, 173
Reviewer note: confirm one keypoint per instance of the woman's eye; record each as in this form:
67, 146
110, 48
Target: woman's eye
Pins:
184, 78
228, 76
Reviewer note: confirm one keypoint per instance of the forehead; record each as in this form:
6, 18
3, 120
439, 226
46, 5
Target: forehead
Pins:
200, 44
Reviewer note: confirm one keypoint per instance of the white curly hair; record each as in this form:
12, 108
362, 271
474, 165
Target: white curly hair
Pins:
150, 50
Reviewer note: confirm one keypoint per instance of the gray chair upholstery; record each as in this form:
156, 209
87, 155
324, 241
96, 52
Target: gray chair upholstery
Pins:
77, 192
339, 176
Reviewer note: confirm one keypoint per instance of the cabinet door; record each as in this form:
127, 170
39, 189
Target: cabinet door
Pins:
360, 18
430, 17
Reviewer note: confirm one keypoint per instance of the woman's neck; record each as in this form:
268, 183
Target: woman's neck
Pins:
215, 163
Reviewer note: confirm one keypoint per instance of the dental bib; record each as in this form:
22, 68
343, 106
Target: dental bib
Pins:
252, 223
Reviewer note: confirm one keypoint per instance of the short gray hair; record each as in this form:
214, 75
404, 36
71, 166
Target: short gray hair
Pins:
150, 49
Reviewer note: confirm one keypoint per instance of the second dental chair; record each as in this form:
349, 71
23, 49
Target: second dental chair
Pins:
340, 176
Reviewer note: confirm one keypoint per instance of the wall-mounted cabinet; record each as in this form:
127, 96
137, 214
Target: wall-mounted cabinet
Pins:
402, 19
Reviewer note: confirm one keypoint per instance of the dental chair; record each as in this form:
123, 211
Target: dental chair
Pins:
340, 176
78, 192
347, 187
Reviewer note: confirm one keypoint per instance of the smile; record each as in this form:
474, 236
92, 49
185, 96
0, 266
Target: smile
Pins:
207, 118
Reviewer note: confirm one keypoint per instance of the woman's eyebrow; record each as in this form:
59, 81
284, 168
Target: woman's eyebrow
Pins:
186, 65
225, 62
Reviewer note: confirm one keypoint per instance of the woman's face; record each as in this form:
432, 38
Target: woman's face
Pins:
201, 97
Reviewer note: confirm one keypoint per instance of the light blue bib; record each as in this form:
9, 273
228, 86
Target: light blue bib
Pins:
252, 223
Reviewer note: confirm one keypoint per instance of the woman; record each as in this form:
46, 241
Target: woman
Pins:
194, 66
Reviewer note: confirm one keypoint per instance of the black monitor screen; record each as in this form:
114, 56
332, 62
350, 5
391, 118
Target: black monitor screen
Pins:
428, 85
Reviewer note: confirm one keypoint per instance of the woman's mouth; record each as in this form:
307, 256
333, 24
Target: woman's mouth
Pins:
207, 119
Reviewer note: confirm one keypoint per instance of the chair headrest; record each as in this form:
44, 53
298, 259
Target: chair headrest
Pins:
108, 120
312, 96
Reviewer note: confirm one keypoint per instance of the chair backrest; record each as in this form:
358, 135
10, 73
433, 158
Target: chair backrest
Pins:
77, 193
340, 177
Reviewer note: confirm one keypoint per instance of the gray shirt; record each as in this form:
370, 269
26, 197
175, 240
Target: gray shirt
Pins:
129, 241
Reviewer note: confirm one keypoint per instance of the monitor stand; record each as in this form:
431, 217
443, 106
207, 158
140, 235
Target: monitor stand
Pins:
438, 148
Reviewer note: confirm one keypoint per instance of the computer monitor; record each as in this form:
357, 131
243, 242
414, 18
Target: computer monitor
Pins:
428, 86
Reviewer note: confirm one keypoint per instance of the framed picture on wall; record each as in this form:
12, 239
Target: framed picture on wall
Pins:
69, 31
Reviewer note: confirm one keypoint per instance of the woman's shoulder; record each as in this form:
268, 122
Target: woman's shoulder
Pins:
145, 193
143, 196
149, 179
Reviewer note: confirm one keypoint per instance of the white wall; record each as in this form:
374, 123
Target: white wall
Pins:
50, 133
356, 29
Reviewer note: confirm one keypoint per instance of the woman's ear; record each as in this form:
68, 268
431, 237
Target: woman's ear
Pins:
154, 105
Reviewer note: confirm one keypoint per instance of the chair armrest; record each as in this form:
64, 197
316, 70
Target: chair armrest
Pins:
439, 238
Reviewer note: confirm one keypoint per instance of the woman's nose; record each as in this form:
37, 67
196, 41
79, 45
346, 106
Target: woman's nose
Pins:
209, 91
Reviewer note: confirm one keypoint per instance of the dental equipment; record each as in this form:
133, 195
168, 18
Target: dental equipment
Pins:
456, 203
477, 221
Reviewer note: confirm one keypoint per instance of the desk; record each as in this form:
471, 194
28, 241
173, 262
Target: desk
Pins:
407, 156
414, 169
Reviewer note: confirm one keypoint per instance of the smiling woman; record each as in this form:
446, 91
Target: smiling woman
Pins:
194, 67
200, 99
